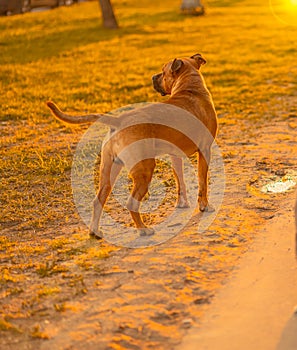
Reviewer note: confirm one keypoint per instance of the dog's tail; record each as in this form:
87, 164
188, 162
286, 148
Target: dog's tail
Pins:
82, 119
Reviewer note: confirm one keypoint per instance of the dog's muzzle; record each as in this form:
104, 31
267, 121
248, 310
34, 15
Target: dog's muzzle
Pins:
156, 84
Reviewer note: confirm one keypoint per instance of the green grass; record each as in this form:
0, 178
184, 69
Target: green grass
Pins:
65, 55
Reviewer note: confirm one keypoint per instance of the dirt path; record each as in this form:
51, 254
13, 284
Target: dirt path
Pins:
255, 310
150, 298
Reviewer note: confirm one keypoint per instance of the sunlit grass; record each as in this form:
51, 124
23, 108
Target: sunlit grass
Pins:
47, 291
66, 56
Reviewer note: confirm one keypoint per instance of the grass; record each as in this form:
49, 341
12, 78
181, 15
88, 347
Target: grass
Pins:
65, 55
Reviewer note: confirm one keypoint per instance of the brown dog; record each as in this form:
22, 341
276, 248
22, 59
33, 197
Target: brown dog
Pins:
147, 127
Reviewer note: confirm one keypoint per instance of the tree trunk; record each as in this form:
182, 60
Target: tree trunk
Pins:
109, 19
192, 7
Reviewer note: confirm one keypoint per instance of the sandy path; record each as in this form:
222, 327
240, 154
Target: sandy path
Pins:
256, 308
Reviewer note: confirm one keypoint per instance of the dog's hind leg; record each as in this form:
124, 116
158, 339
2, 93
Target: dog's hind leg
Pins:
203, 165
109, 171
141, 174
177, 165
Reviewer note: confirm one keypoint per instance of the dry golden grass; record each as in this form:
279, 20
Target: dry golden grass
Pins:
66, 56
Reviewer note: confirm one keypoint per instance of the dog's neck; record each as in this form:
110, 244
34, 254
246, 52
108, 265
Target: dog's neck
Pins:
196, 88
193, 97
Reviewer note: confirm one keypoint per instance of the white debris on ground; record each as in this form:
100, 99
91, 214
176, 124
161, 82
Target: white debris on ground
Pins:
279, 186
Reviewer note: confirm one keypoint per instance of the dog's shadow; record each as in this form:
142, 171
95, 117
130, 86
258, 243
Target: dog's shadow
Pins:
130, 238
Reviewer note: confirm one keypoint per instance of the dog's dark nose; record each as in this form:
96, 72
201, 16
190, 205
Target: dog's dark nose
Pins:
155, 77
157, 85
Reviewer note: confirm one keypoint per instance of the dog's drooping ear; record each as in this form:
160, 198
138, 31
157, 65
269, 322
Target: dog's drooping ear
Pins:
199, 59
176, 65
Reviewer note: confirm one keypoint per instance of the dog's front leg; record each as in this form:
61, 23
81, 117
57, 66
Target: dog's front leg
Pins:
177, 164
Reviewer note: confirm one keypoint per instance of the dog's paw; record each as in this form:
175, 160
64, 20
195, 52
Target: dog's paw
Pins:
182, 201
146, 231
96, 235
206, 208
182, 204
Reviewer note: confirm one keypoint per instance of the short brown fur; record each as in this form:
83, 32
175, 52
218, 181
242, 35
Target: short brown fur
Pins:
182, 80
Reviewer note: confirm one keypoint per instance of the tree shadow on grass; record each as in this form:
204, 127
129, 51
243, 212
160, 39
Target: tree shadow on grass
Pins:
29, 48
33, 46
224, 3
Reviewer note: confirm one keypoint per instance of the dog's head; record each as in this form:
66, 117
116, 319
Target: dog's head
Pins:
171, 71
